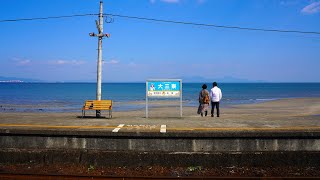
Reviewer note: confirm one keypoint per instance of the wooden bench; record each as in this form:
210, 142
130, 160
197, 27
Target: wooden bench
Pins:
97, 105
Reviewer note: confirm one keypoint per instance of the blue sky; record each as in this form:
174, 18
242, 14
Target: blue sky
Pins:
62, 50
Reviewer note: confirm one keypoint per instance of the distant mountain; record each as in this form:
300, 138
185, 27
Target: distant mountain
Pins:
2, 78
185, 79
231, 79
194, 79
226, 79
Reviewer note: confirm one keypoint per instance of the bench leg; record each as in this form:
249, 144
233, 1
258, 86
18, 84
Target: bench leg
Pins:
83, 113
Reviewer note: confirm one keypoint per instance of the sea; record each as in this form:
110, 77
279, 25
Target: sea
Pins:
69, 97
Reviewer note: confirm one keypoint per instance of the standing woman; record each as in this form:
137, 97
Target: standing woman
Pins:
204, 100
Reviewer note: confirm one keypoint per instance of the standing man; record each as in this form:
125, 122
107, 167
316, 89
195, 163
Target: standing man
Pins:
215, 96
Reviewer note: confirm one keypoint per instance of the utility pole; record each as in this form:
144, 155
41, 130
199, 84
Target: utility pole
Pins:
100, 35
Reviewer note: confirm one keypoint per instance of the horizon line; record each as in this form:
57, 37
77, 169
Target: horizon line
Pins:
89, 82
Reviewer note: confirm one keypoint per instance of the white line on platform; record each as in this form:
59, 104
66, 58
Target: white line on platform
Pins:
118, 128
163, 129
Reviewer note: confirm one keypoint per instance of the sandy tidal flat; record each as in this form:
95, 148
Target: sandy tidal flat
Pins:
299, 112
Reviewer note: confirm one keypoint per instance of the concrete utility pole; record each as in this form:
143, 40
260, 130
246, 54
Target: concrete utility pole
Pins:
100, 35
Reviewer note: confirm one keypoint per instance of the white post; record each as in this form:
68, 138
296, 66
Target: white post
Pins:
99, 66
100, 36
147, 113
181, 98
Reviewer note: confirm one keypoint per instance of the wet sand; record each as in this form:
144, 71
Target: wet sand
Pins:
294, 113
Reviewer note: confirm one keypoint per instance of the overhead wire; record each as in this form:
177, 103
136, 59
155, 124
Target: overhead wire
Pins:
45, 18
166, 21
213, 25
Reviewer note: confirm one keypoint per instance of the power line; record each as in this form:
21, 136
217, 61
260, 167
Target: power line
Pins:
213, 25
45, 18
166, 21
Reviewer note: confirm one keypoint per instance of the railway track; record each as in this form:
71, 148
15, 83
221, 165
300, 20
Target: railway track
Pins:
71, 177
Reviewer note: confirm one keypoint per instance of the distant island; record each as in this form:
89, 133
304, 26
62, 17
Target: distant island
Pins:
16, 80
11, 81
186, 79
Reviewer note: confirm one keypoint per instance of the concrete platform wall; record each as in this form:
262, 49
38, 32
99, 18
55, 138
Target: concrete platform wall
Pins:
174, 142
165, 145
175, 149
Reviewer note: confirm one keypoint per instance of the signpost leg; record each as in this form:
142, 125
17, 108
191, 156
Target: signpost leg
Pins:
147, 99
181, 107
147, 108
181, 98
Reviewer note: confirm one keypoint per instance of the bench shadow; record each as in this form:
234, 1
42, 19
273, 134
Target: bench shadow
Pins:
93, 117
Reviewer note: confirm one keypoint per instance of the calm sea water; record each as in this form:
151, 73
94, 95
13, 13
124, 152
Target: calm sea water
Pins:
62, 97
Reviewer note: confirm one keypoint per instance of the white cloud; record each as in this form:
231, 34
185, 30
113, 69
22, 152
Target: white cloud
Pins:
21, 62
171, 1
63, 62
132, 64
60, 62
311, 8
24, 62
75, 62
112, 61
165, 1
176, 1
201, 1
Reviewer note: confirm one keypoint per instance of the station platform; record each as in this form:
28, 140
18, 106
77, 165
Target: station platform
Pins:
164, 141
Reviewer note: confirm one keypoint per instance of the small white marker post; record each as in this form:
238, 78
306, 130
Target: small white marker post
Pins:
118, 128
163, 129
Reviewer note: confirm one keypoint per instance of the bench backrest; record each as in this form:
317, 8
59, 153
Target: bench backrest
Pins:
98, 104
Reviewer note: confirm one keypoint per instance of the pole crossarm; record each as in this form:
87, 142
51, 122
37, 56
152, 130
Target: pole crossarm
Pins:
92, 34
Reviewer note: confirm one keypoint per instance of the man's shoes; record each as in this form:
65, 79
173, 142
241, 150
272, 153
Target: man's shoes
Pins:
211, 115
206, 113
201, 114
